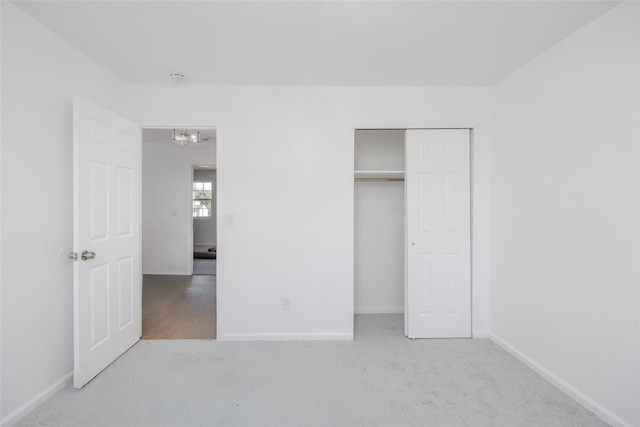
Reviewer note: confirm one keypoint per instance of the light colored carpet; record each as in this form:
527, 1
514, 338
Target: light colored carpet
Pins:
380, 379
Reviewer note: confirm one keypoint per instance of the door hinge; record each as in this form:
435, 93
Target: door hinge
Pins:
73, 256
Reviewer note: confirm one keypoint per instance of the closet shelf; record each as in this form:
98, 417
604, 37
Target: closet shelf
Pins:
378, 174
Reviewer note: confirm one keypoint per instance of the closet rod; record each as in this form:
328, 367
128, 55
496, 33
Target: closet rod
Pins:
379, 179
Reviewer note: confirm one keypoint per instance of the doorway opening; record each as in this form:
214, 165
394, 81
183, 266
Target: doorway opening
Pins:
205, 250
179, 286
379, 211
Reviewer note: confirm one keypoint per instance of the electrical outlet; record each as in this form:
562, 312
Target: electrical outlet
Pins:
285, 303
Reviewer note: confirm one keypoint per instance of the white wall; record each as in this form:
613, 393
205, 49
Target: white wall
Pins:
565, 204
378, 259
40, 74
204, 229
167, 171
564, 258
285, 176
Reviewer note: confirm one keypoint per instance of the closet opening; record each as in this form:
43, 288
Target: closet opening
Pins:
379, 211
412, 228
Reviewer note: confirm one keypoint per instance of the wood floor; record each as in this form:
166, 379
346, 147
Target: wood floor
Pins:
179, 307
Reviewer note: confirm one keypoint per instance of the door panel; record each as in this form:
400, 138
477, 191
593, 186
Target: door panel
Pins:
99, 294
125, 292
125, 201
108, 286
438, 198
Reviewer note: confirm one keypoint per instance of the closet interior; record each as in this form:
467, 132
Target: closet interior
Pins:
379, 242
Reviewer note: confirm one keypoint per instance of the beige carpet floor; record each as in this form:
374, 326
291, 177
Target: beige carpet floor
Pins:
379, 379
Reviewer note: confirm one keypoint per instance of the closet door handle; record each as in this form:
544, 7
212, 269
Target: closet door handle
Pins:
87, 255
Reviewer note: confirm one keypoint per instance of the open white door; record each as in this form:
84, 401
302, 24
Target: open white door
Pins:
107, 281
438, 230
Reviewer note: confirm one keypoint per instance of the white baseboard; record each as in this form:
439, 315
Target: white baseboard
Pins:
378, 310
481, 334
567, 388
32, 404
168, 273
289, 337
203, 244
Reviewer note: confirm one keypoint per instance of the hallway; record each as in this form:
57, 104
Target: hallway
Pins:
179, 307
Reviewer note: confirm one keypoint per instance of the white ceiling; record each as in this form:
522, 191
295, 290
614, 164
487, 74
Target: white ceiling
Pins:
363, 43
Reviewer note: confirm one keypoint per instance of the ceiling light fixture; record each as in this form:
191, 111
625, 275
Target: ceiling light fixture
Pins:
183, 137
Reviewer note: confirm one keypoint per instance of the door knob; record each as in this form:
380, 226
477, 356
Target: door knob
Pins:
87, 255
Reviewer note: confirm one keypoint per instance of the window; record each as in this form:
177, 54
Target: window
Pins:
202, 195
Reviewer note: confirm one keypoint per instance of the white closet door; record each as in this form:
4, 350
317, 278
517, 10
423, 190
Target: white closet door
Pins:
438, 199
